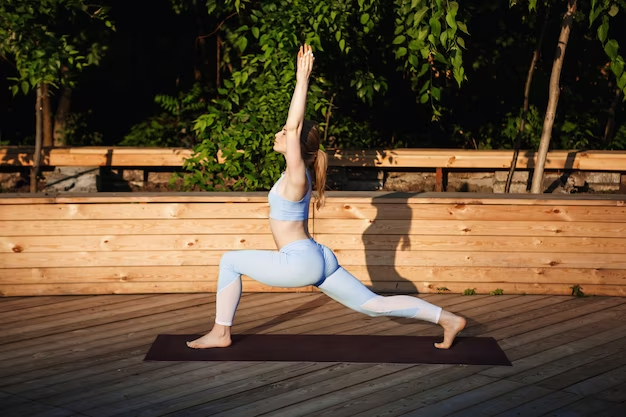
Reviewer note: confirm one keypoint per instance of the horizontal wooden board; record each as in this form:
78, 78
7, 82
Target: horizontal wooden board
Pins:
107, 243
416, 212
474, 259
339, 197
165, 211
345, 257
468, 228
92, 288
401, 157
378, 273
378, 287
508, 289
373, 211
134, 227
368, 242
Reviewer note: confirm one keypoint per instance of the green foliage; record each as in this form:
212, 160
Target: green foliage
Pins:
605, 10
497, 291
78, 133
441, 290
470, 291
33, 35
351, 42
577, 291
174, 126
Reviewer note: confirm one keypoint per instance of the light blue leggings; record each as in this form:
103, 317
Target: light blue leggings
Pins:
303, 263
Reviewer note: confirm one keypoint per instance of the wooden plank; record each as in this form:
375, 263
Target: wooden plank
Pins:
549, 244
195, 242
407, 157
542, 405
586, 407
349, 402
468, 228
576, 367
616, 393
11, 304
339, 197
151, 402
106, 309
134, 227
185, 320
93, 288
346, 258
614, 375
429, 278
511, 212
395, 403
166, 211
442, 259
73, 304
433, 275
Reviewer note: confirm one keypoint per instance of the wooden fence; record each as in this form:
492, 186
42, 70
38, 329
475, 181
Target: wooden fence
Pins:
383, 158
393, 242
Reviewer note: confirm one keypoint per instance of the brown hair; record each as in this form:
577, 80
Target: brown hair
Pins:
313, 156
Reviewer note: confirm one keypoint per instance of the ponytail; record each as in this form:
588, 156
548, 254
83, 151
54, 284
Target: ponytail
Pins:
321, 164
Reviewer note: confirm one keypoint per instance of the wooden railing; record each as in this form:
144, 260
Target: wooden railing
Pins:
387, 158
392, 242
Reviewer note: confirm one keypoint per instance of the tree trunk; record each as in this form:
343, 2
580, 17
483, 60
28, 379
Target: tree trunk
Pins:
60, 119
553, 99
38, 139
522, 123
47, 116
609, 129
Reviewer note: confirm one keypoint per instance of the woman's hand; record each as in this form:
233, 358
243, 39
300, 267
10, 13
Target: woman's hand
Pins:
305, 63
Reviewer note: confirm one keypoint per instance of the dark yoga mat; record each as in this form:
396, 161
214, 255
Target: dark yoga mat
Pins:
333, 348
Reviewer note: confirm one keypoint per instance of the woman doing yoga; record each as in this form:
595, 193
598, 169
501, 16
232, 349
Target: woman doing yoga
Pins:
300, 261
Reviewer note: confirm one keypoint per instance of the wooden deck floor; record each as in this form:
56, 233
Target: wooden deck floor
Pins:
83, 356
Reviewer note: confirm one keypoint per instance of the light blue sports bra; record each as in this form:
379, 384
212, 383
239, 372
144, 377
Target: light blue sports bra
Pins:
282, 209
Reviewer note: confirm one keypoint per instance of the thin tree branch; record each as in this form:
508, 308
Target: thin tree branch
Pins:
216, 29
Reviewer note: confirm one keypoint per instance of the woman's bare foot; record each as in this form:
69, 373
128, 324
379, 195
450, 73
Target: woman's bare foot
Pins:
219, 336
452, 326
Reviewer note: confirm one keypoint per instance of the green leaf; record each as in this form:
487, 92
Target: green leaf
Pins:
460, 42
243, 43
611, 48
399, 39
419, 15
621, 83
342, 44
401, 52
435, 27
255, 32
414, 45
613, 10
338, 35
365, 17
413, 60
450, 21
424, 98
25, 87
603, 31
436, 93
617, 66
462, 27
444, 38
